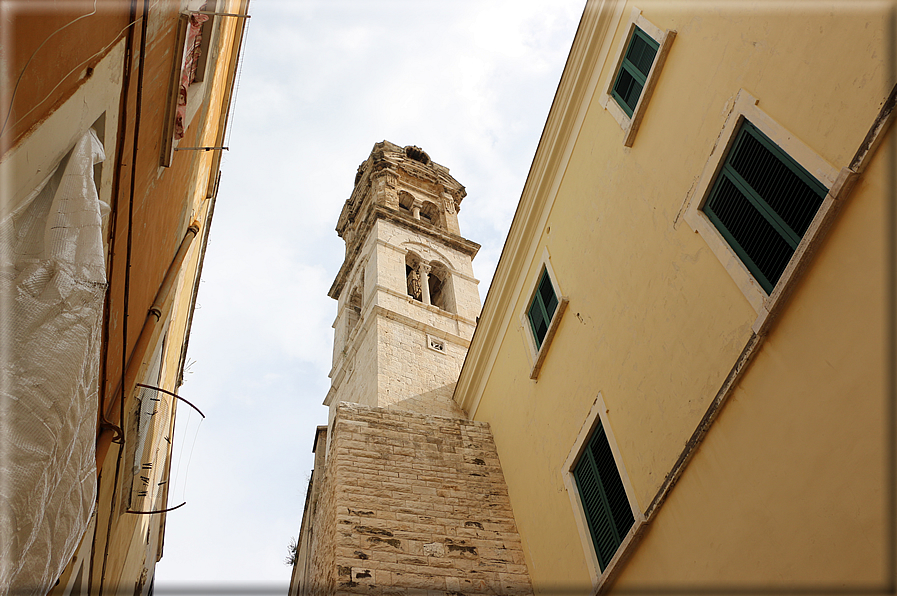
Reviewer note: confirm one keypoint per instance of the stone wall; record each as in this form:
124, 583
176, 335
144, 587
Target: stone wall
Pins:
414, 504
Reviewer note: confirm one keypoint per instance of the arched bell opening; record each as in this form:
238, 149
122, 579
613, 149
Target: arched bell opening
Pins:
440, 286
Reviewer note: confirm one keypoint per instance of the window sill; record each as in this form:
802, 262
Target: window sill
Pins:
549, 335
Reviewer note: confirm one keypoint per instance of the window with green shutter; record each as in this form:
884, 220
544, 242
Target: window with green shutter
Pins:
545, 302
762, 202
607, 510
634, 70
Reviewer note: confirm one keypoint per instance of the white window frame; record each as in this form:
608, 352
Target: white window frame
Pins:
664, 39
598, 412
537, 354
746, 108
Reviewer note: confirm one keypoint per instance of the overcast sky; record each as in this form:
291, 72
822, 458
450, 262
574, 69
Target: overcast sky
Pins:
322, 81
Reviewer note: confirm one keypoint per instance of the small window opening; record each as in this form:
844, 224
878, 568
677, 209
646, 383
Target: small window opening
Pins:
430, 213
603, 497
406, 201
354, 307
762, 203
436, 288
439, 283
634, 70
542, 308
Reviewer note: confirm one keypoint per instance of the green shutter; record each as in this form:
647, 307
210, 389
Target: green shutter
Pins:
762, 202
634, 70
541, 310
603, 497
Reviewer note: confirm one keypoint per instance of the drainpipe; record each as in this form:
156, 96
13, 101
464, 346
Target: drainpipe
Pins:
112, 409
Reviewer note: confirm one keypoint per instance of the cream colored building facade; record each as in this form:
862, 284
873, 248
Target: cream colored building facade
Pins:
739, 396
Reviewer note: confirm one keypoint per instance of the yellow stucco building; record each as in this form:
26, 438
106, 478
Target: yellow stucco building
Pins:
686, 353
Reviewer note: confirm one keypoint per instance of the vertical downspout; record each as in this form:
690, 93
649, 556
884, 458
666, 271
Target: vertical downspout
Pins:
135, 360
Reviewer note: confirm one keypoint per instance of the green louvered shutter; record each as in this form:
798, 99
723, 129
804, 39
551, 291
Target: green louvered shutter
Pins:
541, 310
634, 70
603, 497
762, 202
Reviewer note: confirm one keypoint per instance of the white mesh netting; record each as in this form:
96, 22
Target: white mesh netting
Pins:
52, 282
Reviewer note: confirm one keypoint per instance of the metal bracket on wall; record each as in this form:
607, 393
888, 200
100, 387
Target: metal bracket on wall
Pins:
201, 149
221, 14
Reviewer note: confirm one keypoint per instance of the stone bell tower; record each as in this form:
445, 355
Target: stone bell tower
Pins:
408, 301
407, 495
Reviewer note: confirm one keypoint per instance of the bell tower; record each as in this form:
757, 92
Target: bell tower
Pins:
400, 473
408, 301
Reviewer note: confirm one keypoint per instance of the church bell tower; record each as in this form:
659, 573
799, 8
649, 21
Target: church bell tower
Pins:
408, 301
407, 494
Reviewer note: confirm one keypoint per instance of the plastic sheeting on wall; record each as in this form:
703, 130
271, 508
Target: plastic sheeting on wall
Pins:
52, 283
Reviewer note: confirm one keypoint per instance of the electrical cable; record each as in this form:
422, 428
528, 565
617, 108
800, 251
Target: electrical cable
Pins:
177, 471
233, 105
190, 457
62, 80
137, 114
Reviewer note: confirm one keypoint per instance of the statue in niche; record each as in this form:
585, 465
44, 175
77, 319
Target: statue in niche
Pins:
414, 289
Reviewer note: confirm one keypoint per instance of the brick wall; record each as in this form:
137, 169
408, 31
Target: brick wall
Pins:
414, 504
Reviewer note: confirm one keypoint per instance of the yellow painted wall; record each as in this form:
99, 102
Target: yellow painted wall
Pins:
789, 485
655, 323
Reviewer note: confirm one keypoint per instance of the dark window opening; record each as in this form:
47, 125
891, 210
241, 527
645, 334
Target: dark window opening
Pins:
603, 497
354, 308
634, 70
430, 213
542, 309
762, 202
406, 201
436, 290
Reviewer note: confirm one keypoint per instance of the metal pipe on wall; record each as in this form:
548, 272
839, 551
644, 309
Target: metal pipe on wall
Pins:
153, 317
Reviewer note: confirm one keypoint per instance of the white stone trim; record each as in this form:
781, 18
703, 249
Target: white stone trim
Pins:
598, 412
745, 108
664, 39
578, 86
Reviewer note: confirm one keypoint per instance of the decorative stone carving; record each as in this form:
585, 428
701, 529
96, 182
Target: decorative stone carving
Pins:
414, 285
424, 280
